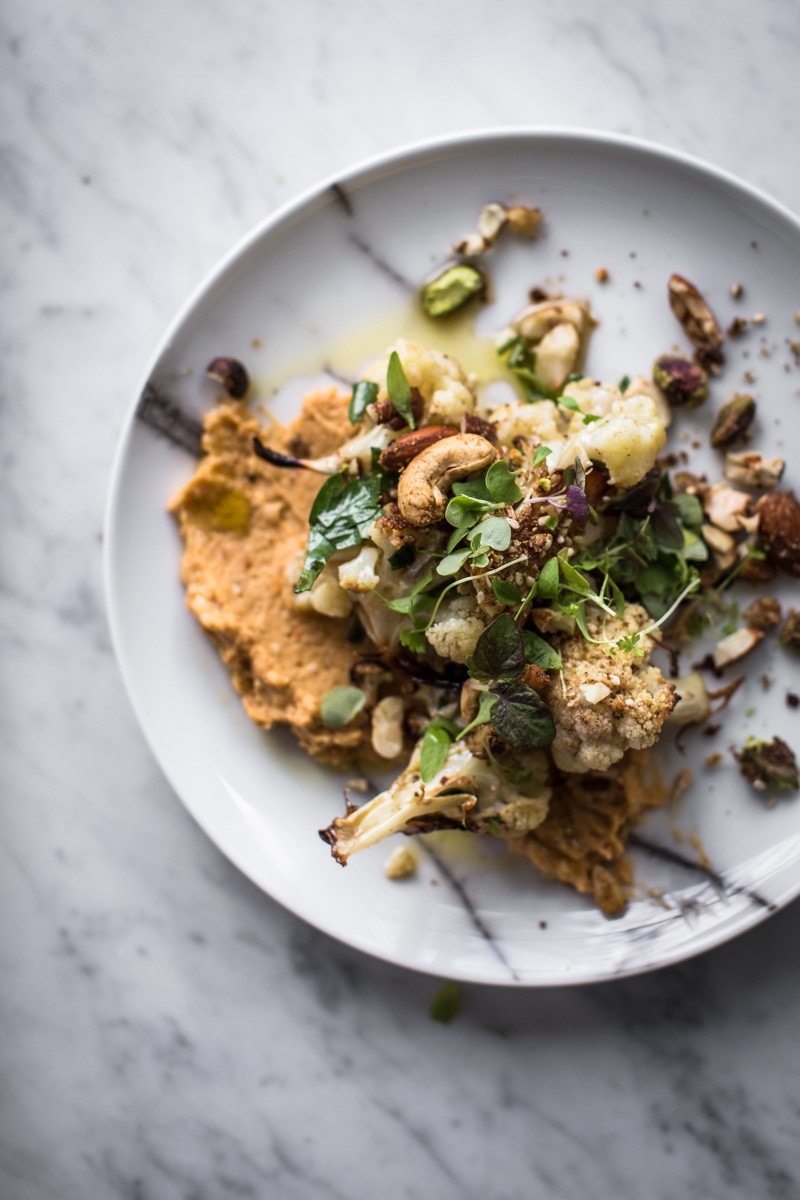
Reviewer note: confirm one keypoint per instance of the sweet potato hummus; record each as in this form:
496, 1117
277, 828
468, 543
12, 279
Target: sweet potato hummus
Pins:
243, 523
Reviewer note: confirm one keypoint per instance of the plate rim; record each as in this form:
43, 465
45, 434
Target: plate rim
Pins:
406, 154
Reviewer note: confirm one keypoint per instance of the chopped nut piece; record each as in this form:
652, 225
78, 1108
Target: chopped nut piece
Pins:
737, 327
736, 290
723, 545
713, 760
779, 530
524, 221
683, 382
698, 322
601, 275
694, 704
733, 420
736, 646
593, 693
452, 289
758, 318
769, 765
230, 374
725, 506
401, 863
387, 727
763, 613
752, 470
790, 634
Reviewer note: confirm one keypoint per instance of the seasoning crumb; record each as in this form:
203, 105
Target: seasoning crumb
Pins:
766, 682
256, 343
358, 785
736, 290
737, 327
543, 924
758, 318
713, 760
565, 253
636, 283
793, 700
601, 275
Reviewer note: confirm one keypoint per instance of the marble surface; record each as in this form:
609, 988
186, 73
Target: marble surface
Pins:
166, 1030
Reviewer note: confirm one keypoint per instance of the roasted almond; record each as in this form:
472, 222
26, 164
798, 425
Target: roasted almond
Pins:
779, 530
404, 449
384, 412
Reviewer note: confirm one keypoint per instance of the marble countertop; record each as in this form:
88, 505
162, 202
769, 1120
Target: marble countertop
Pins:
166, 1030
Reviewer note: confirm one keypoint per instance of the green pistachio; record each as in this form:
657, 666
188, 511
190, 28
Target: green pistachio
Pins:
733, 421
683, 382
452, 289
769, 765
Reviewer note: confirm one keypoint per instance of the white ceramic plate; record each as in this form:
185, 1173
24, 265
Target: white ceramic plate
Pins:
327, 281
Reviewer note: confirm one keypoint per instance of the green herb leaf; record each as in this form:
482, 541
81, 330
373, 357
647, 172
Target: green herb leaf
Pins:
547, 583
499, 655
402, 557
521, 717
435, 744
505, 592
414, 640
446, 1003
572, 578
540, 652
540, 454
364, 393
340, 517
501, 484
398, 389
451, 564
624, 383
492, 534
484, 714
340, 705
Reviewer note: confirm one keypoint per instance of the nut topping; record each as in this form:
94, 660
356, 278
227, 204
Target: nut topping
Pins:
698, 322
399, 453
231, 375
779, 530
733, 421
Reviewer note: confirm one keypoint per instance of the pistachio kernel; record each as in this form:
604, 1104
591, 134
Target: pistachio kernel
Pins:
733, 421
769, 765
683, 382
452, 289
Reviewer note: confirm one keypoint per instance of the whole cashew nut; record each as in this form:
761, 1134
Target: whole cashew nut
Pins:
423, 487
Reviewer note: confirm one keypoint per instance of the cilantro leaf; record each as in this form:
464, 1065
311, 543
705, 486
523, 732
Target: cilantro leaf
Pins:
340, 517
398, 389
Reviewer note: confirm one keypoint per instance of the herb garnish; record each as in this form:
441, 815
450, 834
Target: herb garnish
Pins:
519, 715
340, 518
398, 390
364, 393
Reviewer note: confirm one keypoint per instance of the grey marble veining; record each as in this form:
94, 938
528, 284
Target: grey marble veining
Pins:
167, 1031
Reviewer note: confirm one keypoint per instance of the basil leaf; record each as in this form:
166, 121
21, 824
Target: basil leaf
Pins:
399, 390
540, 652
540, 455
506, 593
501, 484
547, 583
364, 394
492, 534
433, 752
521, 718
340, 517
340, 705
499, 655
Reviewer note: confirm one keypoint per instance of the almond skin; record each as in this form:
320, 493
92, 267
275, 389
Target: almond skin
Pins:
779, 530
404, 449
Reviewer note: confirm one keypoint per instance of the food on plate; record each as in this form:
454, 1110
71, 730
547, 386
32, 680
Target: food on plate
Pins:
471, 593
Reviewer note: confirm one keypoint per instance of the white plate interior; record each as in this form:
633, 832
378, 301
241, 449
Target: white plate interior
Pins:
327, 282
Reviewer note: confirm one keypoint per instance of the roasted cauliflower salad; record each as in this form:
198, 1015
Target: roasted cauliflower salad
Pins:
413, 576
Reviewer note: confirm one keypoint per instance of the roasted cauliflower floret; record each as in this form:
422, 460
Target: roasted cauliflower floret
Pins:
439, 379
466, 792
540, 422
627, 438
359, 574
457, 628
609, 703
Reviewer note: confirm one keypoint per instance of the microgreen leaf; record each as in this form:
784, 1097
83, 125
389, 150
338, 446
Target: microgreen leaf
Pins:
572, 578
364, 393
540, 454
492, 534
540, 652
501, 484
398, 389
340, 705
414, 640
521, 717
499, 655
435, 744
452, 563
485, 705
505, 592
547, 583
340, 517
